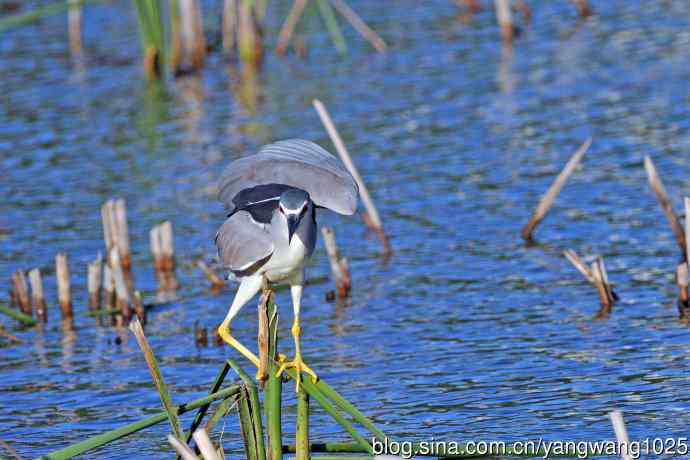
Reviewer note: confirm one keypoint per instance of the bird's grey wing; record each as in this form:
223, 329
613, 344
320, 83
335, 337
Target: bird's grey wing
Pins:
244, 245
297, 163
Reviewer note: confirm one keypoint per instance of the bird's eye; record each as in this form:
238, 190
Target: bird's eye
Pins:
280, 208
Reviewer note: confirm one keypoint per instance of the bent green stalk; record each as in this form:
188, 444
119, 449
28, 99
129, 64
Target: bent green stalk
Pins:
110, 436
19, 316
273, 390
254, 407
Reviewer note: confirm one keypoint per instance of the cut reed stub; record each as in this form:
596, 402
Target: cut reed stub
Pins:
229, 26
359, 25
597, 275
63, 285
37, 295
108, 288
189, 50
550, 196
163, 251
658, 187
339, 265
94, 282
683, 296
598, 270
505, 20
200, 335
122, 298
21, 292
212, 276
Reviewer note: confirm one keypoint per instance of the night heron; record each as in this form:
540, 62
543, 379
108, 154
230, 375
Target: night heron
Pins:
270, 230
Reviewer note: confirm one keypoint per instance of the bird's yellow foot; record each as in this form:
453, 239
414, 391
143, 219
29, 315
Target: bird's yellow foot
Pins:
224, 333
299, 365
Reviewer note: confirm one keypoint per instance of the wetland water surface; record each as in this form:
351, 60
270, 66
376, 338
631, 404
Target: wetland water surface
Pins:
466, 333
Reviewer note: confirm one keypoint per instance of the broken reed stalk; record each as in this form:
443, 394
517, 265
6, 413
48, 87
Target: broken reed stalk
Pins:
372, 218
288, 27
600, 284
122, 298
25, 319
21, 292
339, 266
505, 20
302, 436
110, 436
682, 280
658, 187
582, 267
621, 433
212, 276
550, 196
138, 331
63, 285
263, 338
37, 295
229, 26
359, 25
116, 235
583, 8
94, 282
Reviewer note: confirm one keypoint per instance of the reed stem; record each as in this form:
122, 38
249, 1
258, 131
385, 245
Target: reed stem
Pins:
220, 378
302, 437
138, 331
660, 191
359, 25
247, 426
550, 196
110, 436
23, 318
37, 295
273, 389
254, 407
372, 219
332, 26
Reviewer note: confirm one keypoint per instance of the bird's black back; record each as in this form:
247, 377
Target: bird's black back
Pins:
259, 201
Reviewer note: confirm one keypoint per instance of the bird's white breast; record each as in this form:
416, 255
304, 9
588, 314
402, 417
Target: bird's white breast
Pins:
288, 259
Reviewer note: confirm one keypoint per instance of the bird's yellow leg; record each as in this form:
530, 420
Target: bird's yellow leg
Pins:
224, 332
298, 364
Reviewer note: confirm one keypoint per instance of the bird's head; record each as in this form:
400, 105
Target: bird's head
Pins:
292, 207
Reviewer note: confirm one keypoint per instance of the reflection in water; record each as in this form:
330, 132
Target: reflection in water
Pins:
190, 90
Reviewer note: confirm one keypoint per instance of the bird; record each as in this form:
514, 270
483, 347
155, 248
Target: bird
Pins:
270, 230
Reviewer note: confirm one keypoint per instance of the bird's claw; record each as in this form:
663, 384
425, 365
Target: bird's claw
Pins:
299, 365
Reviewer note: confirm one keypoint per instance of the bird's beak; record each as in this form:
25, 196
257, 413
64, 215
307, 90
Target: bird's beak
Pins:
292, 223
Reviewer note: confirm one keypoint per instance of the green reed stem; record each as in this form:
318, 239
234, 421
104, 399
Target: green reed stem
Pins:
138, 331
254, 408
203, 409
302, 437
348, 407
314, 392
273, 389
332, 25
19, 316
247, 425
220, 412
110, 436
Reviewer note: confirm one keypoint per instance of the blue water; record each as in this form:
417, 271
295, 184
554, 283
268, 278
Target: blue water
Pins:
466, 333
